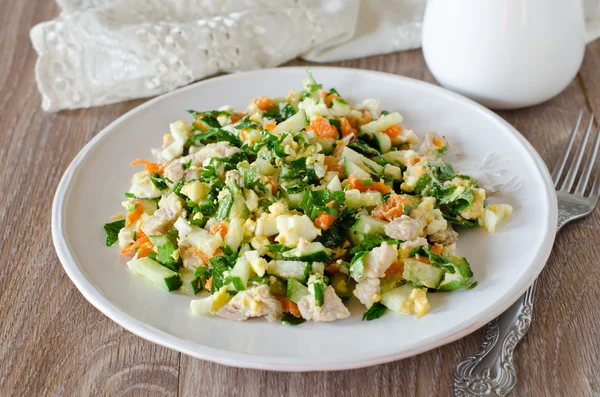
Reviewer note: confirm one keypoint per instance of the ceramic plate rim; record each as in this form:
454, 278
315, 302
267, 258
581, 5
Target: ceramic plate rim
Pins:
244, 360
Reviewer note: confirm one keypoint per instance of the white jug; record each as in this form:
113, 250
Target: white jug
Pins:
506, 53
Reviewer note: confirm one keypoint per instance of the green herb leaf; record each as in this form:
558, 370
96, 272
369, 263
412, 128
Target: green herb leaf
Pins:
245, 122
290, 319
357, 265
112, 230
215, 135
375, 311
159, 181
186, 165
130, 195
315, 202
165, 256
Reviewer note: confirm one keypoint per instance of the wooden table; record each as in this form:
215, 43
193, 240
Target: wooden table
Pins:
53, 342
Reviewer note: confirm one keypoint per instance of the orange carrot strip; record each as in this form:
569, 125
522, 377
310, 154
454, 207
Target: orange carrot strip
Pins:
323, 221
263, 103
269, 126
273, 183
150, 166
323, 128
356, 183
347, 128
219, 228
289, 306
134, 215
142, 245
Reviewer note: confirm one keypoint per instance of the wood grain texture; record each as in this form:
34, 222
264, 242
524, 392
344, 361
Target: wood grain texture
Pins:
53, 342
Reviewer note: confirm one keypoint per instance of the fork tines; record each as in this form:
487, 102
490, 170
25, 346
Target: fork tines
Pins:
565, 177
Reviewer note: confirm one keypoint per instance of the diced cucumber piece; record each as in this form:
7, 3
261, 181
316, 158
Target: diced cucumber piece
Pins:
382, 123
241, 270
356, 199
294, 124
296, 290
342, 285
384, 143
150, 206
326, 143
394, 171
362, 161
235, 233
397, 300
191, 283
366, 224
421, 273
294, 199
277, 286
238, 207
394, 157
351, 168
313, 252
340, 108
264, 167
158, 240
156, 273
387, 284
285, 269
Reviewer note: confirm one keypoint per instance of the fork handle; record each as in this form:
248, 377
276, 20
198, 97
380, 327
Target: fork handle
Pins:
491, 371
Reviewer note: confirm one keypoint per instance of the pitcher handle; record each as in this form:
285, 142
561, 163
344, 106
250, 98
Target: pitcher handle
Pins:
592, 30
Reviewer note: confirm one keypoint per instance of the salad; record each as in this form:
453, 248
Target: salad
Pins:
295, 206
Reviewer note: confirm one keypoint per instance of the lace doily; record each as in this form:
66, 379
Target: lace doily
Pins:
98, 52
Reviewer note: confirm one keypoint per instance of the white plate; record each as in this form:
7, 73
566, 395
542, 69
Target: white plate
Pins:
505, 263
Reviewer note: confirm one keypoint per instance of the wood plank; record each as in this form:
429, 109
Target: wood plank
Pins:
52, 341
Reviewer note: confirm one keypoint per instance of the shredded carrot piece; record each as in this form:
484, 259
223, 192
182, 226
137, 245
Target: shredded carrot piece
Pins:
323, 128
150, 166
391, 209
208, 284
205, 258
332, 165
367, 117
329, 98
395, 270
347, 128
289, 306
356, 183
142, 246
436, 249
263, 103
134, 215
139, 233
269, 126
393, 132
219, 228
236, 117
323, 221
273, 183
333, 267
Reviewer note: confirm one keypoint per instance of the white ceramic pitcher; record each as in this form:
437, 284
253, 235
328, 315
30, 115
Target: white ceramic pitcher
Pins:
506, 53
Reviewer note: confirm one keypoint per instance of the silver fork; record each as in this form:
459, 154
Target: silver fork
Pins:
491, 371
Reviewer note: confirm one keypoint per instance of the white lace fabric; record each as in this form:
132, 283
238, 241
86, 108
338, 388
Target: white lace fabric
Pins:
98, 52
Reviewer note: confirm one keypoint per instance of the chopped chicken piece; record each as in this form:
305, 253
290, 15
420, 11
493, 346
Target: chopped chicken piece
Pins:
404, 228
333, 308
169, 211
445, 237
367, 291
253, 302
379, 259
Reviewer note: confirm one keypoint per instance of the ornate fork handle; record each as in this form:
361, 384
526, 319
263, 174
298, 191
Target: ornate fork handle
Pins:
491, 371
